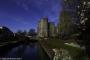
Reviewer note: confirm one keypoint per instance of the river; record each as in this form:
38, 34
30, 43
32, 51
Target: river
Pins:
21, 51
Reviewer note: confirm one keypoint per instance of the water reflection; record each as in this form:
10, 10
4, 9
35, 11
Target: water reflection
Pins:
30, 51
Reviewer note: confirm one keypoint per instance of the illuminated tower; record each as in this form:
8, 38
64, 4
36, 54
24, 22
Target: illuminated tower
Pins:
52, 32
43, 28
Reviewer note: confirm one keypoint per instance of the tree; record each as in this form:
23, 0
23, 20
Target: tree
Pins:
24, 32
6, 34
31, 32
20, 32
65, 25
84, 26
21, 35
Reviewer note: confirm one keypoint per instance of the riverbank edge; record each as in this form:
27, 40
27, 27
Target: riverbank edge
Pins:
46, 51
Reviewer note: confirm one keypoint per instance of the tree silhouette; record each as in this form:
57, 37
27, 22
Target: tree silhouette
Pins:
6, 34
31, 32
84, 26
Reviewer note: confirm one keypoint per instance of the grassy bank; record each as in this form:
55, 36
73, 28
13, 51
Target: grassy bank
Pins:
76, 53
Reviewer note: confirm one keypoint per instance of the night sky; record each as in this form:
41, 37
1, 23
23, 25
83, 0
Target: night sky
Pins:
25, 14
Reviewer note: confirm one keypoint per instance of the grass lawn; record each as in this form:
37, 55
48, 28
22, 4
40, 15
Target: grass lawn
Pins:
76, 53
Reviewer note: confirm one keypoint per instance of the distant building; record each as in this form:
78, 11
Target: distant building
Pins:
43, 28
58, 29
52, 31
